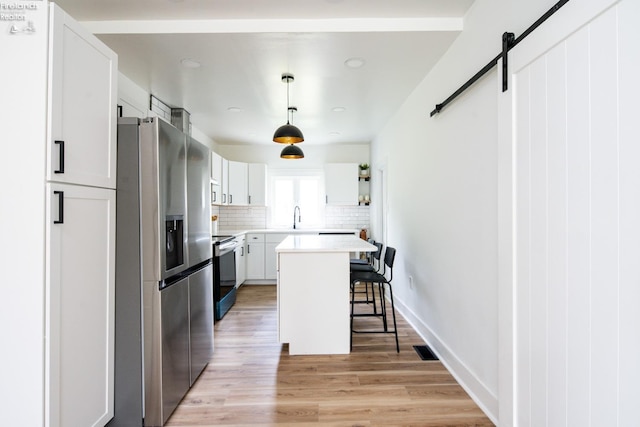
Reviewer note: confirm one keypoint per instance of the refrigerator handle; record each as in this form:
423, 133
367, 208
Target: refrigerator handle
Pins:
61, 164
60, 219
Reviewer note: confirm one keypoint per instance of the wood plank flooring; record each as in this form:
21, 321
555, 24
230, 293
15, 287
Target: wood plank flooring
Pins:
252, 380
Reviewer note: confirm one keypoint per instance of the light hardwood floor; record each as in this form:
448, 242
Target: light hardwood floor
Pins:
252, 380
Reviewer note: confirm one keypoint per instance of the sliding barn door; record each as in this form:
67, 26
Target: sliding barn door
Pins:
576, 218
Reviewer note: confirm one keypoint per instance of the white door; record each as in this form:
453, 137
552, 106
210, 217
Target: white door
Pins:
80, 283
82, 113
572, 108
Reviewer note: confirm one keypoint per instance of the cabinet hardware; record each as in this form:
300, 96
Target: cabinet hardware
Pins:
60, 195
61, 163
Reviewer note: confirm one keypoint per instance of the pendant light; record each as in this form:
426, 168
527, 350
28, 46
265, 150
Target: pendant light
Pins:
288, 134
292, 151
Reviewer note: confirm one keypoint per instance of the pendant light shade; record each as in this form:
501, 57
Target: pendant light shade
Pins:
292, 152
288, 134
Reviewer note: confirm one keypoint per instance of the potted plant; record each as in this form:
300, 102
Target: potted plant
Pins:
364, 169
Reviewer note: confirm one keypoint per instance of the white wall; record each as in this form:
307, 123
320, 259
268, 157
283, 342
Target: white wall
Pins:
23, 108
442, 206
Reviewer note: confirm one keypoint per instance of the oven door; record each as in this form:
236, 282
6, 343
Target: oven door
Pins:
224, 280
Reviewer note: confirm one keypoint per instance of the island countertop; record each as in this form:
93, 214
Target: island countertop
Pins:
324, 243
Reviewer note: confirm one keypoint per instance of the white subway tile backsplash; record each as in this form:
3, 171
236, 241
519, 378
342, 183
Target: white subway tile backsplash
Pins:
250, 217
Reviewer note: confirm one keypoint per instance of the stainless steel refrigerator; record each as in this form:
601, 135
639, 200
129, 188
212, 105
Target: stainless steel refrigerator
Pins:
164, 277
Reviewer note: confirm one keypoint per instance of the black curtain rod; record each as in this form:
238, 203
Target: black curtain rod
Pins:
508, 43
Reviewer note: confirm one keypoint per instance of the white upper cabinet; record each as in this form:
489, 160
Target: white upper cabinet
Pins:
257, 184
216, 168
216, 178
224, 185
238, 187
341, 183
81, 145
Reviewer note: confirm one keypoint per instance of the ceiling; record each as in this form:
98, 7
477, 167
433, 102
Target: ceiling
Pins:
236, 95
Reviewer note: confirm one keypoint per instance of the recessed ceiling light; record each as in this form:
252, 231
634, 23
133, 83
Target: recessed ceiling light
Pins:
190, 63
338, 109
234, 109
354, 62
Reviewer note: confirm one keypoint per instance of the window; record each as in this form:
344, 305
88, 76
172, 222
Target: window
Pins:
290, 188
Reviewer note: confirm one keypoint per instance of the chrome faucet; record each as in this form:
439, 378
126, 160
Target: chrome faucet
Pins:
297, 208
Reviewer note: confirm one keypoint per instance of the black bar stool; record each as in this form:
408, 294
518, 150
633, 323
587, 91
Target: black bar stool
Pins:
379, 279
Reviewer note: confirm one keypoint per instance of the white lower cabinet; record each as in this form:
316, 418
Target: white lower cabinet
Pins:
255, 256
261, 255
80, 261
241, 261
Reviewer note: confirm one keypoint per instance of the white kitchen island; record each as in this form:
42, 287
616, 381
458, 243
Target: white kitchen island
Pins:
313, 292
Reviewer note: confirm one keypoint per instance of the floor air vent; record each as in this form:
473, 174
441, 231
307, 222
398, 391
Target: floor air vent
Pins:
425, 352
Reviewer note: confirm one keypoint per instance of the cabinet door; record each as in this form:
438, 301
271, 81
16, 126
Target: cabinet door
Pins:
216, 194
255, 257
81, 145
80, 284
257, 184
238, 187
224, 185
241, 263
341, 183
216, 168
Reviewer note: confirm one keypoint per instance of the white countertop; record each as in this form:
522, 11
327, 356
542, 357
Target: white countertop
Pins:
288, 231
325, 243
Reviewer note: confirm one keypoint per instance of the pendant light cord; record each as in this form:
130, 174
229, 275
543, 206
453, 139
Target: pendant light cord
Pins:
288, 79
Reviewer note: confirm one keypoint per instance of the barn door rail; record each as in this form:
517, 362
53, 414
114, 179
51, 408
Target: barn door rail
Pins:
509, 41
